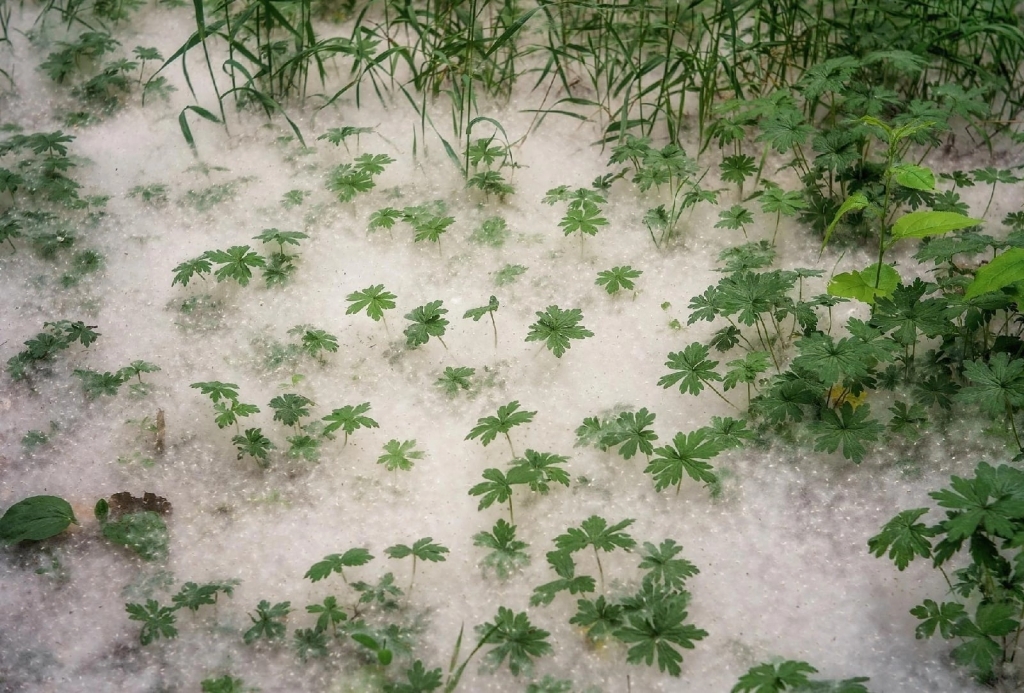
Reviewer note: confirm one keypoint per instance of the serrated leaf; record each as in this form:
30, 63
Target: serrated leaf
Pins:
930, 223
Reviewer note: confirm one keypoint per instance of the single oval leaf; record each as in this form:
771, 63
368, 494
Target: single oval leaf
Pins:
36, 518
930, 223
1005, 269
861, 285
852, 203
914, 176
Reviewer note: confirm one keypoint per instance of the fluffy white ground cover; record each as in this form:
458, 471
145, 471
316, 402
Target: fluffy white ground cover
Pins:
785, 571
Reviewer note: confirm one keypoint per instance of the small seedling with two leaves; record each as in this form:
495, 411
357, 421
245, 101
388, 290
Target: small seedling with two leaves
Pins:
225, 402
280, 265
477, 313
488, 427
423, 549
583, 215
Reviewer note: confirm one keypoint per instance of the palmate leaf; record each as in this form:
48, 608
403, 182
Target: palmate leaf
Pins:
600, 617
833, 361
904, 538
688, 452
157, 621
282, 238
507, 553
555, 327
329, 614
229, 411
595, 532
373, 299
431, 228
775, 678
400, 455
994, 385
349, 418
546, 467
618, 278
337, 562
455, 379
658, 634
254, 444
420, 680
631, 433
693, 367
568, 581
906, 314
427, 321
848, 428
746, 370
664, 568
477, 313
488, 427
236, 263
424, 549
980, 650
347, 181
752, 294
514, 638
737, 168
781, 202
942, 617
993, 501
184, 272
268, 621
497, 486
217, 390
583, 216
289, 409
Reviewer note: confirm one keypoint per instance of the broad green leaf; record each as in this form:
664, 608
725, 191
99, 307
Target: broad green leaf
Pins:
861, 285
852, 203
930, 223
914, 176
1005, 269
36, 518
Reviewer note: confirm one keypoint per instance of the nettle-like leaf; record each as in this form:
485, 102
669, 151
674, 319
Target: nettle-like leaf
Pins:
693, 367
237, 263
849, 428
427, 321
507, 553
618, 278
687, 453
904, 538
555, 327
631, 433
514, 638
400, 455
373, 299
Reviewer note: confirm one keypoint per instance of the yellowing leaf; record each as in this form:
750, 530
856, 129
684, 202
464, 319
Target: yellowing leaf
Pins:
861, 285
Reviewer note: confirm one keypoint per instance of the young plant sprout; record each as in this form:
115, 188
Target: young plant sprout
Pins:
555, 327
423, 549
348, 418
488, 427
455, 379
477, 313
427, 321
374, 300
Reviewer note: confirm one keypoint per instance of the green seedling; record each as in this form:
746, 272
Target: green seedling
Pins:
348, 180
694, 371
337, 136
427, 321
374, 300
304, 446
379, 648
507, 554
430, 228
192, 596
546, 469
477, 313
400, 455
618, 278
41, 349
36, 518
423, 549
289, 409
455, 379
775, 199
992, 176
268, 623
514, 638
420, 680
314, 341
630, 431
157, 621
328, 614
597, 534
96, 384
224, 684
568, 581
555, 327
135, 370
491, 183
280, 265
687, 453
492, 231
736, 217
737, 168
310, 642
348, 418
488, 427
383, 594
294, 198
497, 486
336, 563
508, 274
384, 218
792, 675
237, 263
